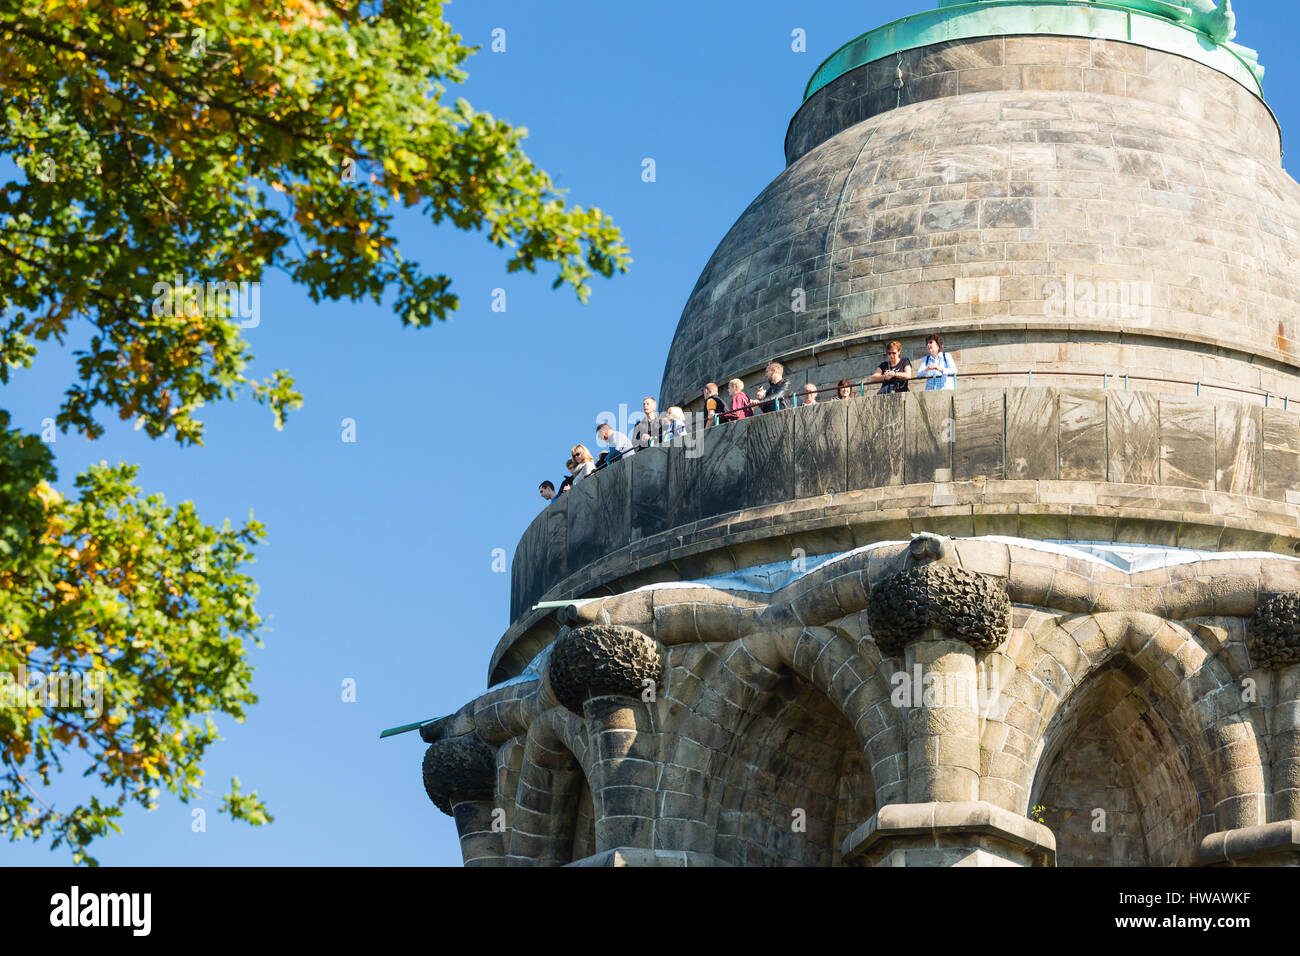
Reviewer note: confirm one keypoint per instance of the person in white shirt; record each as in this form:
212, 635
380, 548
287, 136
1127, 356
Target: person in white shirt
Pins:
937, 368
617, 443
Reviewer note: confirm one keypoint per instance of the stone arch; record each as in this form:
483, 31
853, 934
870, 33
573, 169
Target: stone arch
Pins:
795, 781
1116, 785
1053, 656
808, 721
860, 691
553, 822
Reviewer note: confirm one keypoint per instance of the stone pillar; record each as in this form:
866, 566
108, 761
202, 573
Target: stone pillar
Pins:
1286, 744
625, 773
1273, 640
937, 618
609, 676
942, 725
460, 779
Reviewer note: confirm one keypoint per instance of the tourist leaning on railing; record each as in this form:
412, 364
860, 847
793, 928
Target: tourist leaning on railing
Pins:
617, 444
894, 371
548, 491
740, 404
713, 404
583, 463
937, 367
809, 394
776, 393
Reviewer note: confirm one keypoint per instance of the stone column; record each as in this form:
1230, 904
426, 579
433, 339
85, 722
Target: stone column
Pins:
460, 779
610, 676
625, 773
1273, 640
937, 618
1286, 744
942, 725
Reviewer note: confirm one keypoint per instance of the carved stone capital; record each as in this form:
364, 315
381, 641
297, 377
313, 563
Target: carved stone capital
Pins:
602, 659
459, 767
1273, 632
962, 604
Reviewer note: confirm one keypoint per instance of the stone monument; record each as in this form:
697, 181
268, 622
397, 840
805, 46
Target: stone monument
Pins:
1046, 618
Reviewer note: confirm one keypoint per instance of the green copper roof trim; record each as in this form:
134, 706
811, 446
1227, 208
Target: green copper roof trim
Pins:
1166, 30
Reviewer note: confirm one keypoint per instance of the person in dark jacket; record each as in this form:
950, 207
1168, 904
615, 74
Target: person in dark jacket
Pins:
777, 393
649, 429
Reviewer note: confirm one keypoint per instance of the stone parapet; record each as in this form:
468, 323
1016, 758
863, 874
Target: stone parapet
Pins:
1081, 464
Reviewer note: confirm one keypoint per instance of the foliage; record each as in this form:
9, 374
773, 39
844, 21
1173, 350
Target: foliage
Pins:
165, 147
212, 140
142, 613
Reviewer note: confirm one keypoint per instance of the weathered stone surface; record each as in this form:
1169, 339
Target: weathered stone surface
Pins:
875, 441
820, 449
1274, 632
602, 659
684, 483
1133, 437
1281, 453
650, 494
1187, 443
928, 433
458, 768
722, 467
979, 422
614, 494
769, 458
584, 522
959, 603
1031, 433
1239, 449
1082, 434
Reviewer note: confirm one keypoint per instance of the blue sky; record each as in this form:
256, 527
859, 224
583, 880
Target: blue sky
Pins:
378, 562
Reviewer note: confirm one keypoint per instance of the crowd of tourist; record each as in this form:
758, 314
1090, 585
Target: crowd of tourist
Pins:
892, 375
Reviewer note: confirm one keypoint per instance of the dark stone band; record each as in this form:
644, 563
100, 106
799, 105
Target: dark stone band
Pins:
462, 768
1273, 632
962, 604
602, 659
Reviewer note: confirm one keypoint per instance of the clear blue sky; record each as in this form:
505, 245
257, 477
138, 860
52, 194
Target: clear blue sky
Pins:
378, 563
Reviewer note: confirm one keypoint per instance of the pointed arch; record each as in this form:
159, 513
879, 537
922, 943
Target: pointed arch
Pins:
1054, 655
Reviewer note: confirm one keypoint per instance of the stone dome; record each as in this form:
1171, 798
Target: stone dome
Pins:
1066, 204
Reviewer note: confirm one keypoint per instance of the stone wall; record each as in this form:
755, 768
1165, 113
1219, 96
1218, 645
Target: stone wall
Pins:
1013, 169
780, 732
